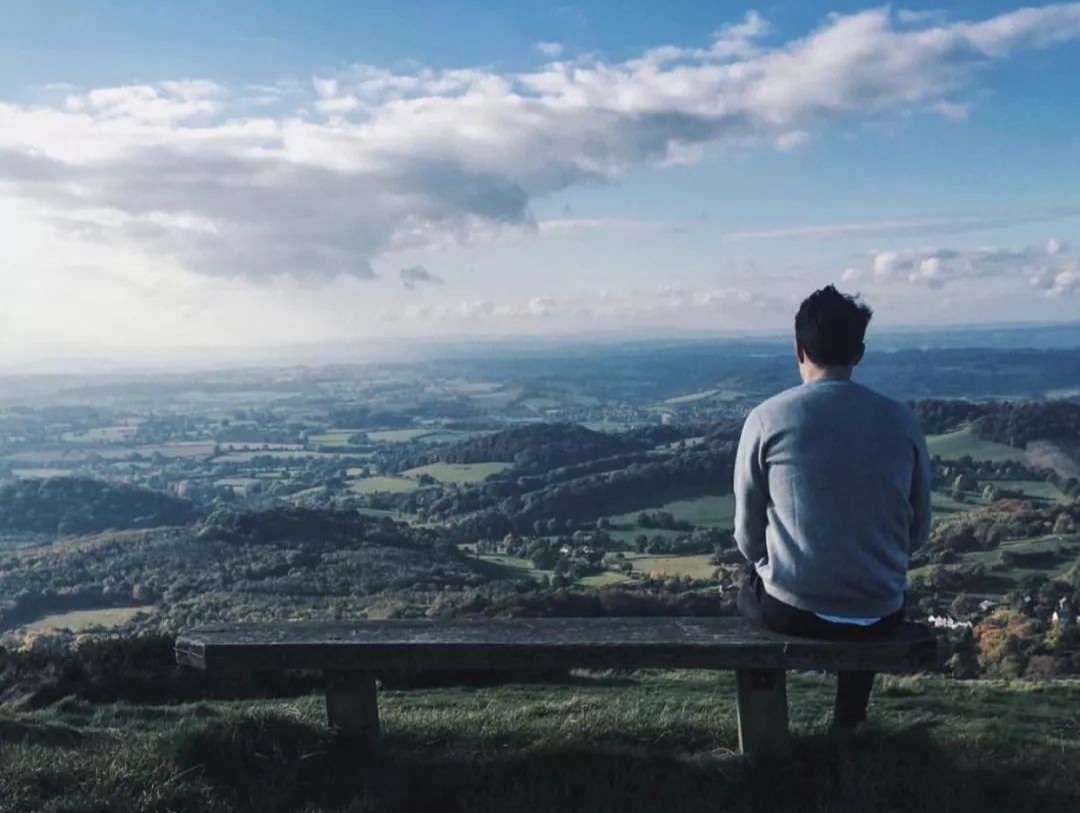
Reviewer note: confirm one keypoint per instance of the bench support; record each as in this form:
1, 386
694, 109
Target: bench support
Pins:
763, 711
352, 708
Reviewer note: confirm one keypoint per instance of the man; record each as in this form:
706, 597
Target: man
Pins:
832, 494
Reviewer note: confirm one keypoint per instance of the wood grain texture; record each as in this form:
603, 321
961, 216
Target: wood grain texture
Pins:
545, 643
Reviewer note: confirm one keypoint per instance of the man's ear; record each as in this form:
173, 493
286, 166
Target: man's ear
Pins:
800, 354
859, 355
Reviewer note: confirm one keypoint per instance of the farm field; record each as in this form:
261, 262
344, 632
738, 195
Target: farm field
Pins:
80, 620
520, 567
40, 473
709, 512
247, 457
458, 472
373, 485
955, 445
1049, 557
696, 566
1035, 489
398, 435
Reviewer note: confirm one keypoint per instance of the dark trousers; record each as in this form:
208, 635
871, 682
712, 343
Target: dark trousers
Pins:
852, 688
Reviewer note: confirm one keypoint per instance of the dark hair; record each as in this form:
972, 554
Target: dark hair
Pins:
830, 327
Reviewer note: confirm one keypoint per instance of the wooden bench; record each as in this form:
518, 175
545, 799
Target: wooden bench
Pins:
352, 654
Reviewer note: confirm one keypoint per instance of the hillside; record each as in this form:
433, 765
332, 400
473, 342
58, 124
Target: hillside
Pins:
634, 744
540, 447
274, 565
80, 505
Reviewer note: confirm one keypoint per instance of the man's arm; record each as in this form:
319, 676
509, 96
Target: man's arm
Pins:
920, 495
751, 492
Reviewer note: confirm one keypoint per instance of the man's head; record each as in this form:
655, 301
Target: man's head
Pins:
829, 332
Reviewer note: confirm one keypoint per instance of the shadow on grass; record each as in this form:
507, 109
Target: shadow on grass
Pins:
276, 764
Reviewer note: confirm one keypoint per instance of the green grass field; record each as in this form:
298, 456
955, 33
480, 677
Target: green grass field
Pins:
40, 473
1035, 489
80, 620
398, 435
695, 566
371, 485
954, 445
708, 512
635, 743
458, 472
522, 568
1053, 557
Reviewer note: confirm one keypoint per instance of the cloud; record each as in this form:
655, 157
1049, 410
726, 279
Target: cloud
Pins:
1059, 282
951, 110
418, 275
550, 49
366, 161
938, 267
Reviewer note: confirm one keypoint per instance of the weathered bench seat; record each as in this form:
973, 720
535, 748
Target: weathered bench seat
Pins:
351, 654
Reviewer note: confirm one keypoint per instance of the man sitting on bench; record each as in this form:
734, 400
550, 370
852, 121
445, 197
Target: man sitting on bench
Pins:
832, 494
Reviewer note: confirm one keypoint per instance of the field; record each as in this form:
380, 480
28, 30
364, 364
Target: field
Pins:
43, 473
694, 566
522, 568
1035, 489
372, 485
398, 435
954, 445
708, 512
637, 743
1048, 556
458, 472
80, 620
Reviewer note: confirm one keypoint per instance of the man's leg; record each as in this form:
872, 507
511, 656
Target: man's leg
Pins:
852, 698
852, 688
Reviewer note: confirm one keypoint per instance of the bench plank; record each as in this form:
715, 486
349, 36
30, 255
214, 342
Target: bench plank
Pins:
541, 644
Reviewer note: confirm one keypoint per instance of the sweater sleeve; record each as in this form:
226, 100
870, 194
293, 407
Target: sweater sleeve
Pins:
920, 495
751, 492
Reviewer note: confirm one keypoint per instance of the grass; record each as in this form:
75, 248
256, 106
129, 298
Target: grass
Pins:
1035, 489
631, 743
40, 474
372, 485
695, 566
80, 620
954, 445
398, 435
519, 567
1049, 556
458, 472
709, 512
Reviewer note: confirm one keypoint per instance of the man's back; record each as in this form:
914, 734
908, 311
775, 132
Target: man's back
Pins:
832, 494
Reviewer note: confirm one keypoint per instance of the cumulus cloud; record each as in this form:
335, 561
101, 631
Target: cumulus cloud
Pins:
366, 161
418, 275
938, 267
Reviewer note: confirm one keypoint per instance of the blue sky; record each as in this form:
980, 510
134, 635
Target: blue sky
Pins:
257, 172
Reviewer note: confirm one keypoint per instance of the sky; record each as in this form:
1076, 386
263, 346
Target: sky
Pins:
252, 174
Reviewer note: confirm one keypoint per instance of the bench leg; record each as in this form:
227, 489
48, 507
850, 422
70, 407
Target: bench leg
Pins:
352, 708
763, 712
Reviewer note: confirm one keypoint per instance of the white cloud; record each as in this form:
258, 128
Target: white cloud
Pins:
938, 267
550, 49
389, 160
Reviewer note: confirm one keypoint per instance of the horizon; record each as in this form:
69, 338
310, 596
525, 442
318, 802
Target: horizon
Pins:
274, 178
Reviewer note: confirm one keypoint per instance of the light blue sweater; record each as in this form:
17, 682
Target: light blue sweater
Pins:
832, 493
